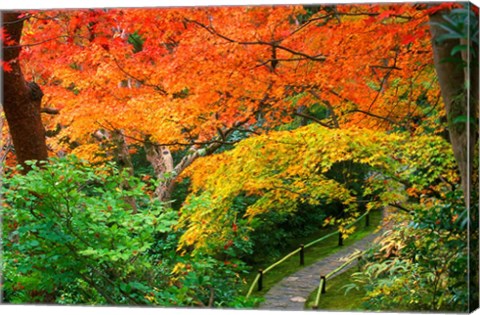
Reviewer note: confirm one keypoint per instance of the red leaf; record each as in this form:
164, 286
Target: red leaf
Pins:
370, 21
3, 34
6, 66
443, 6
386, 14
475, 10
407, 39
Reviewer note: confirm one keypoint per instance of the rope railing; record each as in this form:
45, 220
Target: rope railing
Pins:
322, 286
258, 280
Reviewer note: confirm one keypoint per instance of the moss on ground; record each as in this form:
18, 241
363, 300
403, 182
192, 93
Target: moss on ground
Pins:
336, 298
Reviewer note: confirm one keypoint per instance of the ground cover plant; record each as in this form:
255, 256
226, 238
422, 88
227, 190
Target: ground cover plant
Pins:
159, 156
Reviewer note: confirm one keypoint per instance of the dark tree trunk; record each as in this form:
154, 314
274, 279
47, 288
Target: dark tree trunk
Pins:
459, 102
22, 100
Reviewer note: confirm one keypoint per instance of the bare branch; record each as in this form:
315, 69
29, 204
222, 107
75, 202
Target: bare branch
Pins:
400, 207
50, 110
315, 119
156, 87
275, 44
37, 43
376, 116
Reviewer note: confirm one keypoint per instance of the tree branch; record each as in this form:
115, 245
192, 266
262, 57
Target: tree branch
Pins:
398, 206
274, 43
156, 87
315, 119
50, 110
376, 116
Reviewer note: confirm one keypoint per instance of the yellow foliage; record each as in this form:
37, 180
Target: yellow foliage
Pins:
286, 168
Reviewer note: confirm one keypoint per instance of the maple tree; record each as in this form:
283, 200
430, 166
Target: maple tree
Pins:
170, 82
286, 169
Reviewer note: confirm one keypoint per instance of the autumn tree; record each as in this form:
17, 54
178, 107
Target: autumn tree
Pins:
285, 169
171, 82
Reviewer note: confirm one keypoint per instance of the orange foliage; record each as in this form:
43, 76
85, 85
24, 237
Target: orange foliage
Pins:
195, 73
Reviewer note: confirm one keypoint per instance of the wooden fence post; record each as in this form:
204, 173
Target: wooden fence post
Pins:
324, 285
260, 280
302, 255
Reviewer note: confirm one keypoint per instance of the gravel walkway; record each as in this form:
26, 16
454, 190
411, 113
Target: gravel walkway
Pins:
291, 292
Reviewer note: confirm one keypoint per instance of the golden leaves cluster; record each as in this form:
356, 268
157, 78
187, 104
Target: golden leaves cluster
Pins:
285, 169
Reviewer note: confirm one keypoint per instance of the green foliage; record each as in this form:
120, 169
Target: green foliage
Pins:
205, 281
136, 41
353, 170
71, 235
273, 230
421, 265
461, 24
335, 298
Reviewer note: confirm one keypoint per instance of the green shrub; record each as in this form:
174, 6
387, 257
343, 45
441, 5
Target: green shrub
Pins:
71, 236
423, 263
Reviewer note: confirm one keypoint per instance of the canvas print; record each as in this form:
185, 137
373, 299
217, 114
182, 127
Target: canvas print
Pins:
316, 157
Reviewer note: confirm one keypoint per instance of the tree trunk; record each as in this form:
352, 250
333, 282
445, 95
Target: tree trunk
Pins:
165, 171
459, 102
459, 85
21, 100
124, 161
161, 160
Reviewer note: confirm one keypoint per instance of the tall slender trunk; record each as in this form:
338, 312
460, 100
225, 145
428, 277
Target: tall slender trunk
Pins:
459, 101
162, 161
22, 99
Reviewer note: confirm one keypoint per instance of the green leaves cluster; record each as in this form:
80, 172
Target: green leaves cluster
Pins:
71, 235
461, 24
422, 264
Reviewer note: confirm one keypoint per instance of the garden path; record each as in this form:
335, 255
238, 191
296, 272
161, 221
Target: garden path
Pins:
291, 292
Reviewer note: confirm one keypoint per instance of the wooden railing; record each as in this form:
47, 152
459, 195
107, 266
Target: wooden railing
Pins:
322, 286
258, 281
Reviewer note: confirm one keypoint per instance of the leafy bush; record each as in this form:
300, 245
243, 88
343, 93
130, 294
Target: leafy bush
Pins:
71, 236
422, 263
